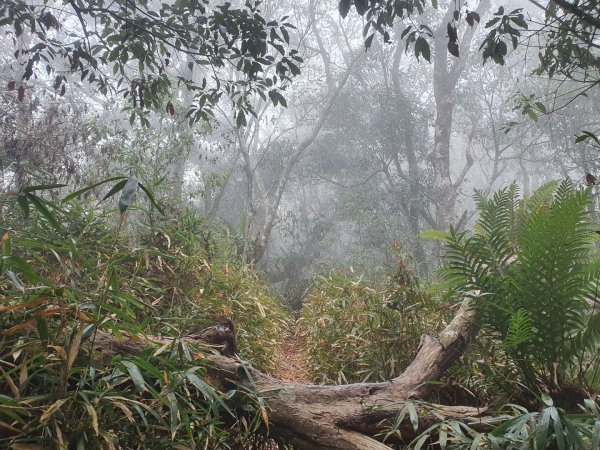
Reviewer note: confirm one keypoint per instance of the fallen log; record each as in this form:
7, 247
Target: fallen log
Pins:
347, 417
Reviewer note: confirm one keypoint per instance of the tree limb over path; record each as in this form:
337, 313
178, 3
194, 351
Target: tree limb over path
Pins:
344, 417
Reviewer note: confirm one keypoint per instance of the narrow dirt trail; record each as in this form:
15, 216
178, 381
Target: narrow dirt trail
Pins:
291, 361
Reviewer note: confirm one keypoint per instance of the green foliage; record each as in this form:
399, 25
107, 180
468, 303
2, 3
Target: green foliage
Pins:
434, 235
141, 41
585, 135
355, 332
531, 266
511, 428
527, 105
570, 50
60, 287
502, 26
380, 15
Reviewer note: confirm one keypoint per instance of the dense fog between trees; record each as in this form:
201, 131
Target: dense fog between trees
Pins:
360, 150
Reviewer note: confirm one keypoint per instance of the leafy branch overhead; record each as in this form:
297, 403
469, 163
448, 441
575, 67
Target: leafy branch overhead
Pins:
568, 33
502, 26
381, 14
137, 46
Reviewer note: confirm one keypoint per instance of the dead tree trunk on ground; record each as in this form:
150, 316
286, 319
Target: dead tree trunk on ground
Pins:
347, 417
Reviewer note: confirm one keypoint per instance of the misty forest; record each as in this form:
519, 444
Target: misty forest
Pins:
283, 224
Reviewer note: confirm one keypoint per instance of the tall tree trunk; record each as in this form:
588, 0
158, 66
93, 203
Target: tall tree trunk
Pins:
445, 193
445, 79
414, 172
177, 166
271, 207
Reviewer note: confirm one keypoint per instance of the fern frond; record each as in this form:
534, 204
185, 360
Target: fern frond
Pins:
520, 329
550, 281
564, 190
543, 195
538, 201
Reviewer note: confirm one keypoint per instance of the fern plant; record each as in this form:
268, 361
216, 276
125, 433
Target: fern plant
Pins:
531, 266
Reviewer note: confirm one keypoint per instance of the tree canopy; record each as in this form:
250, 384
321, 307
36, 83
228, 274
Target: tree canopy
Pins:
137, 49
134, 49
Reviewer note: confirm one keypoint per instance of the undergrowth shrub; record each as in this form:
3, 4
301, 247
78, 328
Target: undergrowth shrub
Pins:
204, 282
356, 332
512, 427
532, 268
66, 274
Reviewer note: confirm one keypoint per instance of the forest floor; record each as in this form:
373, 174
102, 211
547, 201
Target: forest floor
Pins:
290, 363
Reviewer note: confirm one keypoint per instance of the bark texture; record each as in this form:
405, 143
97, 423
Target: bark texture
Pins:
347, 417
445, 81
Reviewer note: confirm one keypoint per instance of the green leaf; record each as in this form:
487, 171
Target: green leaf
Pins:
434, 235
520, 329
541, 433
443, 437
148, 368
547, 400
293, 68
276, 98
42, 327
419, 443
42, 187
127, 299
89, 188
209, 393
24, 267
38, 203
174, 413
475, 444
24, 205
240, 120
532, 115
344, 7
286, 36
520, 21
574, 436
361, 6
587, 135
116, 188
136, 375
412, 414
405, 31
596, 436
6, 245
151, 198
422, 48
492, 22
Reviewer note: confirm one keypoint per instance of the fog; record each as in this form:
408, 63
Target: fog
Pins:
366, 152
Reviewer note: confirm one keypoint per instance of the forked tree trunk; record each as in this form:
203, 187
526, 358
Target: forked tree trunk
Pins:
445, 81
347, 417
